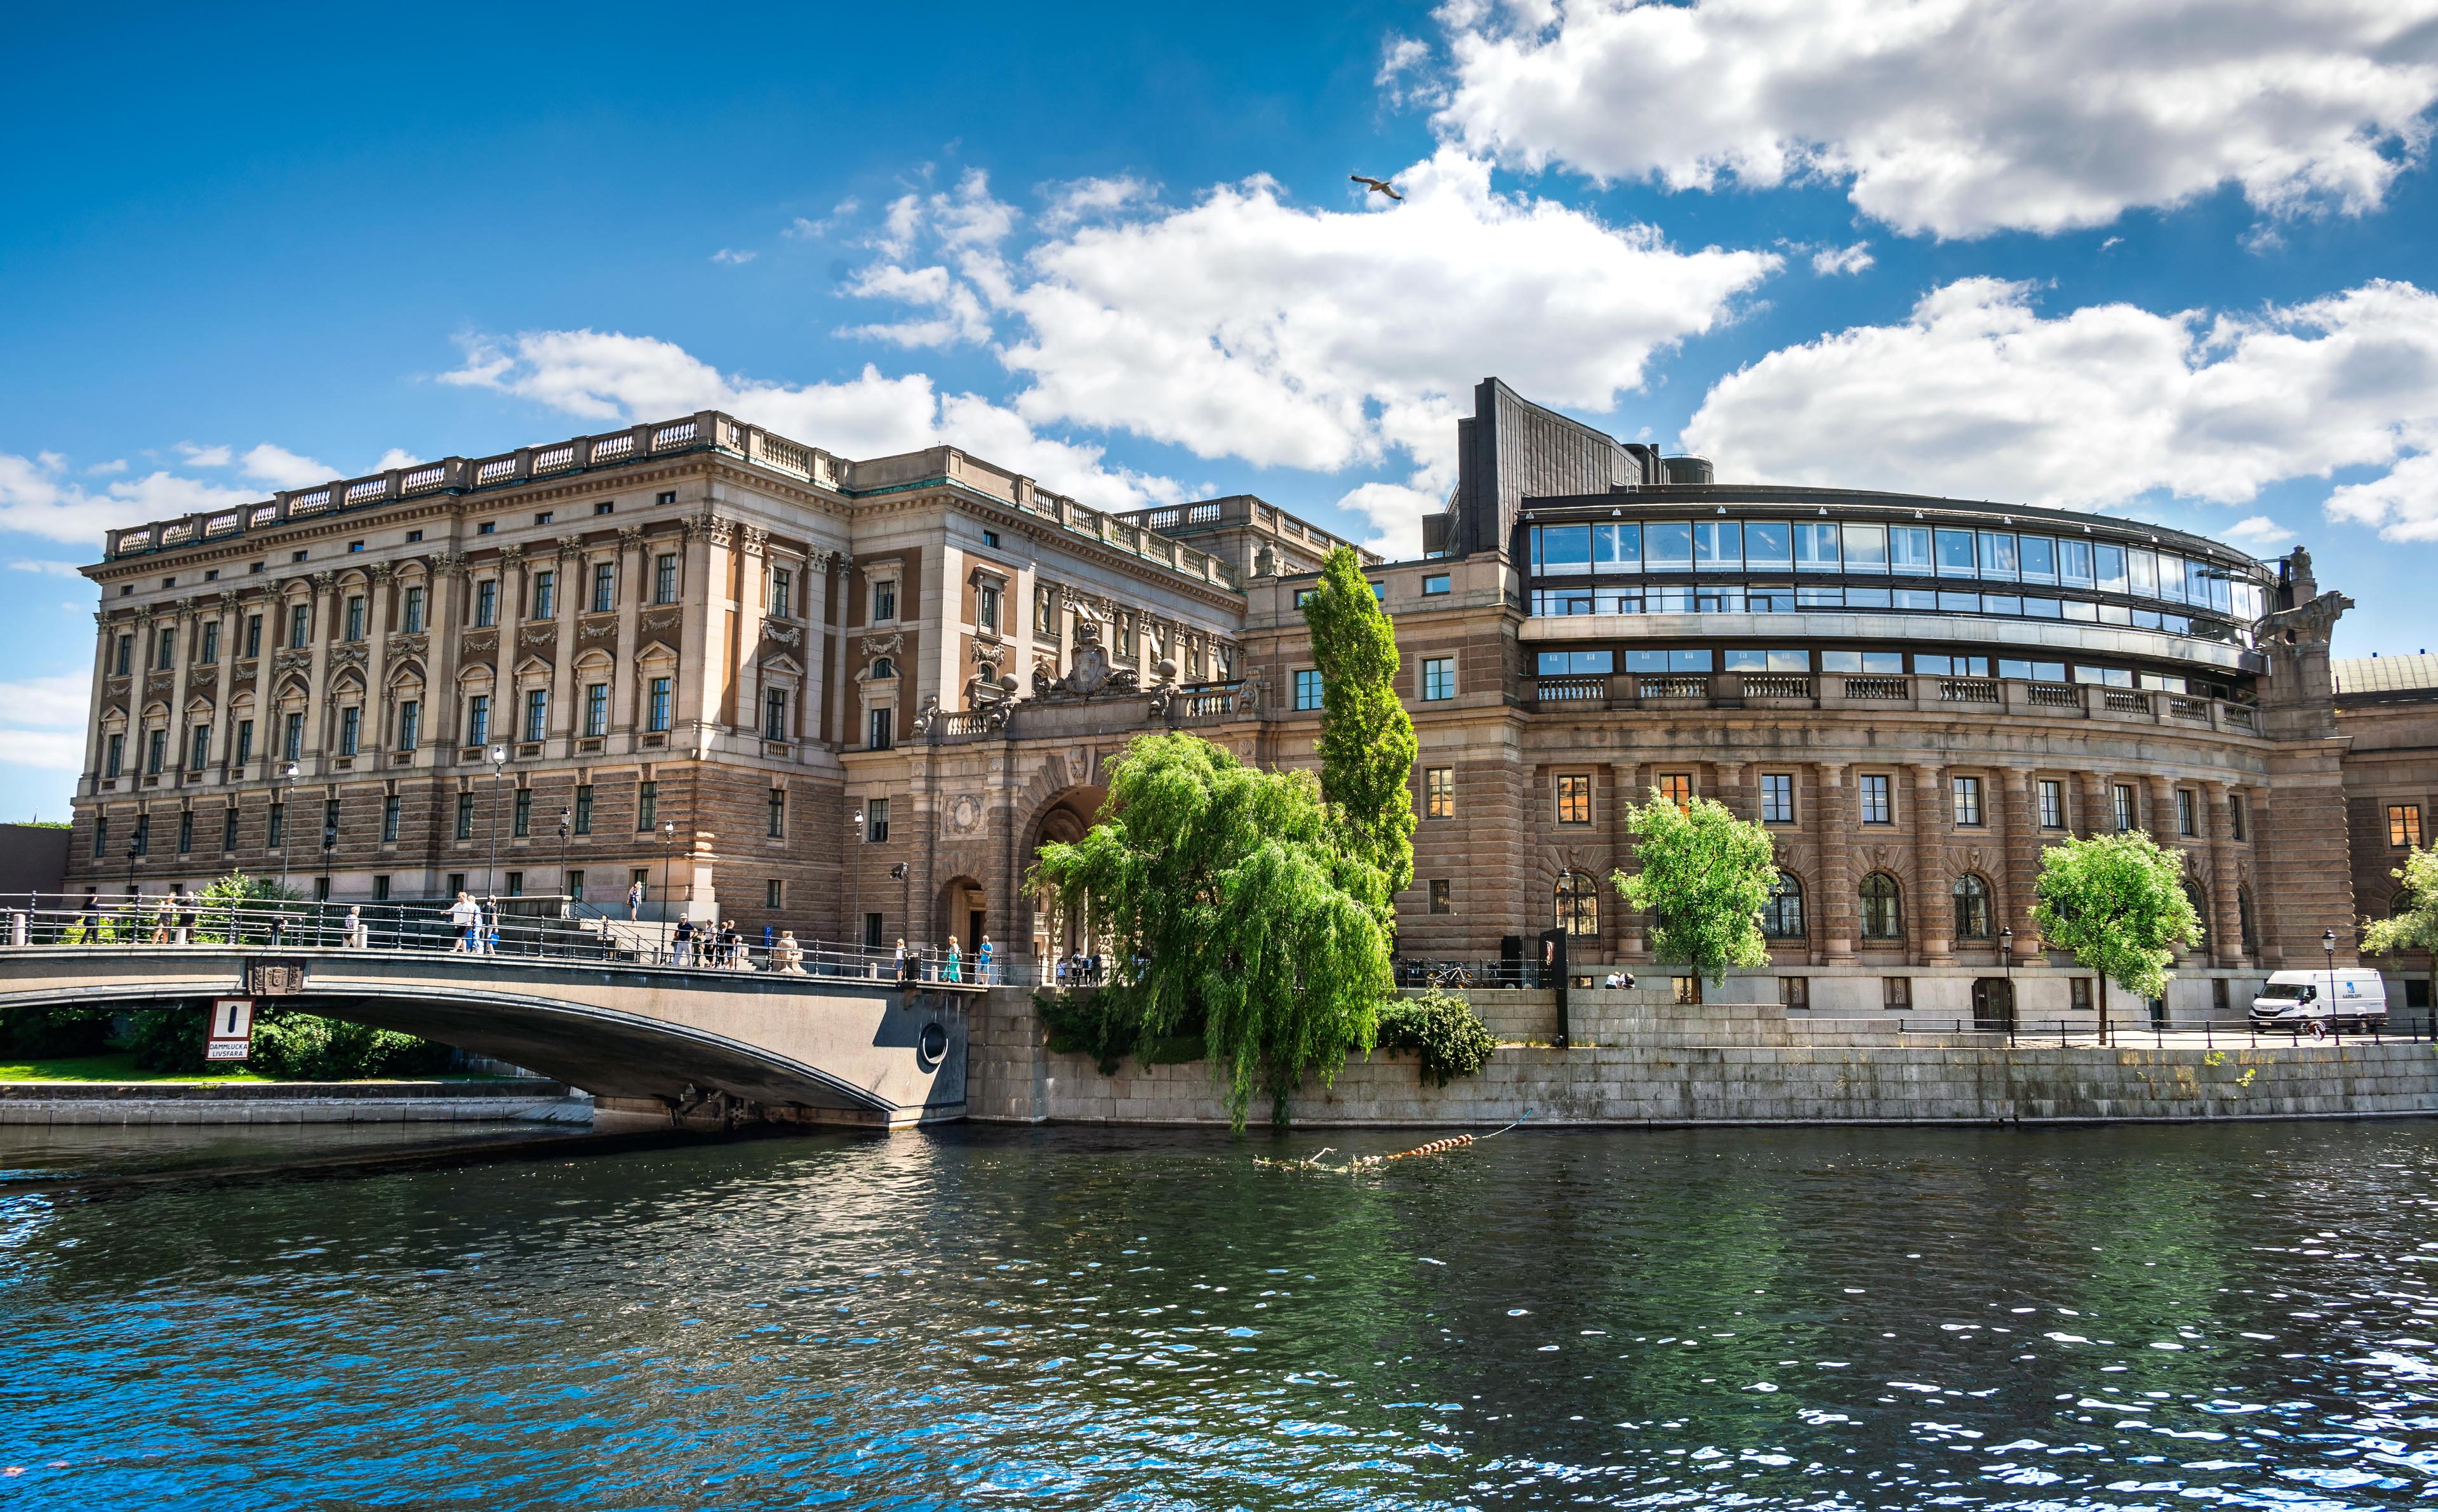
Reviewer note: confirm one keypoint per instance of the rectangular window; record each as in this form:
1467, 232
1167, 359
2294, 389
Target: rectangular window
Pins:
1561, 549
1718, 545
772, 892
1440, 899
185, 831
165, 642
211, 649
2235, 817
2404, 825
1439, 793
100, 836
274, 830
1434, 583
300, 625
537, 712
409, 725
1438, 678
596, 709
783, 593
156, 748
664, 578
775, 822
2189, 819
486, 603
292, 740
228, 829
1777, 798
355, 619
478, 719
584, 809
2079, 994
1896, 992
389, 820
884, 600
986, 607
1667, 546
252, 638
605, 587
876, 820
647, 806
1769, 543
114, 754
1967, 800
1307, 688
1866, 548
2128, 810
522, 820
1677, 789
1574, 799
1815, 548
546, 595
516, 884
2052, 804
774, 715
658, 707
883, 730
411, 612
244, 741
1957, 552
351, 722
1876, 806
466, 815
198, 749
142, 843
126, 654
1795, 994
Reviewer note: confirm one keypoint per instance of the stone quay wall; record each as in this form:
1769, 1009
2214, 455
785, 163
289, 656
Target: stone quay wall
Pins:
1662, 1065
264, 1102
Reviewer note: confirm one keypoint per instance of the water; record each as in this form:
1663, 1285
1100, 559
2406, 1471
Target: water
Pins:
2130, 1317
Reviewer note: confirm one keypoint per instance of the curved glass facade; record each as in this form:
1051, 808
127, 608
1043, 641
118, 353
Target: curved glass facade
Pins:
1752, 562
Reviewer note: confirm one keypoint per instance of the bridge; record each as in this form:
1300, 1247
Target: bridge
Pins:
783, 1046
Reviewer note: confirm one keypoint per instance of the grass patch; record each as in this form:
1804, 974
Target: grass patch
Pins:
119, 1065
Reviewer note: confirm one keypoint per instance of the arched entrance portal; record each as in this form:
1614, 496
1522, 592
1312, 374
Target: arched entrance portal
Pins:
963, 912
1063, 820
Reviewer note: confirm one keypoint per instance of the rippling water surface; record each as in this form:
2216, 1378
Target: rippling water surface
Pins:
1876, 1318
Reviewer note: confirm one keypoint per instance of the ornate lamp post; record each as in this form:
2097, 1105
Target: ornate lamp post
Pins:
2006, 959
565, 815
490, 870
287, 821
668, 843
853, 921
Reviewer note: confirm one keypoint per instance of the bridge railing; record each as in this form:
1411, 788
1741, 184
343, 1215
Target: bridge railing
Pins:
528, 930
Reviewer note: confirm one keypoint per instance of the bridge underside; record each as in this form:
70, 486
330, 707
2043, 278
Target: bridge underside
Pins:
800, 1047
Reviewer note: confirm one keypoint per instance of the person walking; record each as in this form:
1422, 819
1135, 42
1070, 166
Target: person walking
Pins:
492, 928
983, 964
465, 918
955, 971
905, 963
161, 916
732, 945
357, 938
634, 902
683, 943
185, 914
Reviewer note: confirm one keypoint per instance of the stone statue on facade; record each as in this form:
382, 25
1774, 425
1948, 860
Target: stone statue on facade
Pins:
1091, 673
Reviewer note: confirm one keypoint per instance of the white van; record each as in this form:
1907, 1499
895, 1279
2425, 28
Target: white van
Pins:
2309, 1000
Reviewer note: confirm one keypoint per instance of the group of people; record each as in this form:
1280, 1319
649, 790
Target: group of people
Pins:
952, 965
720, 945
1080, 970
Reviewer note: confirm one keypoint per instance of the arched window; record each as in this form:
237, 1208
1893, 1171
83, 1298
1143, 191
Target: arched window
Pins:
1882, 914
2200, 910
1971, 907
883, 667
1577, 903
2243, 920
1782, 917
2401, 903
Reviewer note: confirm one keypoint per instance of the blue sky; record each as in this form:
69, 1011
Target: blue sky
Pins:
2153, 256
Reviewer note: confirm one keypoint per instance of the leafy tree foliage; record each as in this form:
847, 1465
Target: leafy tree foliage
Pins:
1705, 877
1229, 902
2414, 923
1440, 1028
1367, 738
2116, 903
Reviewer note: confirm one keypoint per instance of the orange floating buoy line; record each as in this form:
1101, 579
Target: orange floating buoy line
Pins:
1361, 1163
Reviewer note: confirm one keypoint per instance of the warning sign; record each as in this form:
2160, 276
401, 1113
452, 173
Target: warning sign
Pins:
232, 1029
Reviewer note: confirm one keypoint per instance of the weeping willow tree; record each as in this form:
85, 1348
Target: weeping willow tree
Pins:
1231, 905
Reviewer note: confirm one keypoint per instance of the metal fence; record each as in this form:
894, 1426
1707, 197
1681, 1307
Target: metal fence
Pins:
2159, 1033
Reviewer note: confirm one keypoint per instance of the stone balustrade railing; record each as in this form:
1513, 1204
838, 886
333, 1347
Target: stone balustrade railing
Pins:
1731, 689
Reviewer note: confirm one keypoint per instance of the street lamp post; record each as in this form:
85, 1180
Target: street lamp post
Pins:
905, 875
853, 921
2006, 959
668, 843
491, 868
2328, 944
287, 821
564, 816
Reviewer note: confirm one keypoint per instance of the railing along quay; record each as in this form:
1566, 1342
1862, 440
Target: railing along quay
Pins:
1931, 693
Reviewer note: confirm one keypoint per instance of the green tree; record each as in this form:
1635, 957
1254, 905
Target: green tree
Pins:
2116, 903
1367, 738
2413, 925
1706, 876
236, 908
1229, 904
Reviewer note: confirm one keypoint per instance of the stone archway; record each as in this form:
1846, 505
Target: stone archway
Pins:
1062, 817
961, 911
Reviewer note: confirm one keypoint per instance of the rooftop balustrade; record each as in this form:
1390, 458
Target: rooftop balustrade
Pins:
1677, 691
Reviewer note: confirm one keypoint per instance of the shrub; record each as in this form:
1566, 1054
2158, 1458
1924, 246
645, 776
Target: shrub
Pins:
1442, 1029
288, 1046
54, 1034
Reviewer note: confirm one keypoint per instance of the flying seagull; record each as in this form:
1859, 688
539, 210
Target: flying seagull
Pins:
1377, 185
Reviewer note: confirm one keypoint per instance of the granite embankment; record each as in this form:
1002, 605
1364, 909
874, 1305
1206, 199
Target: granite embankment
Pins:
261, 1102
1642, 1059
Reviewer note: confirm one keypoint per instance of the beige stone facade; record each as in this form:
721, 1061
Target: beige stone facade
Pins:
853, 697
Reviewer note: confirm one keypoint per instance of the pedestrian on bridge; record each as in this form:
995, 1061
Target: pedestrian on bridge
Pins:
634, 902
956, 965
682, 943
359, 937
185, 914
905, 963
982, 963
466, 918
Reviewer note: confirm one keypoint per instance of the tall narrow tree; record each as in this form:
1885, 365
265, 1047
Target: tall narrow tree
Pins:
1367, 738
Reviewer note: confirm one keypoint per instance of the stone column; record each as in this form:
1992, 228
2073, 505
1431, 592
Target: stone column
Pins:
839, 734
232, 625
752, 605
702, 652
1731, 790
317, 702
373, 740
504, 652
2160, 820
1932, 910
564, 694
443, 716
1834, 905
105, 636
182, 624
2226, 918
815, 616
2098, 804
2022, 859
634, 587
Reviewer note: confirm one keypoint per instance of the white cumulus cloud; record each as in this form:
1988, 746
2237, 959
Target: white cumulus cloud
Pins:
38, 499
196, 456
41, 721
1958, 117
734, 257
1980, 396
1853, 260
283, 468
2257, 530
397, 457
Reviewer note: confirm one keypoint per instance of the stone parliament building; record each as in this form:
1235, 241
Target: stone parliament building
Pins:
853, 697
